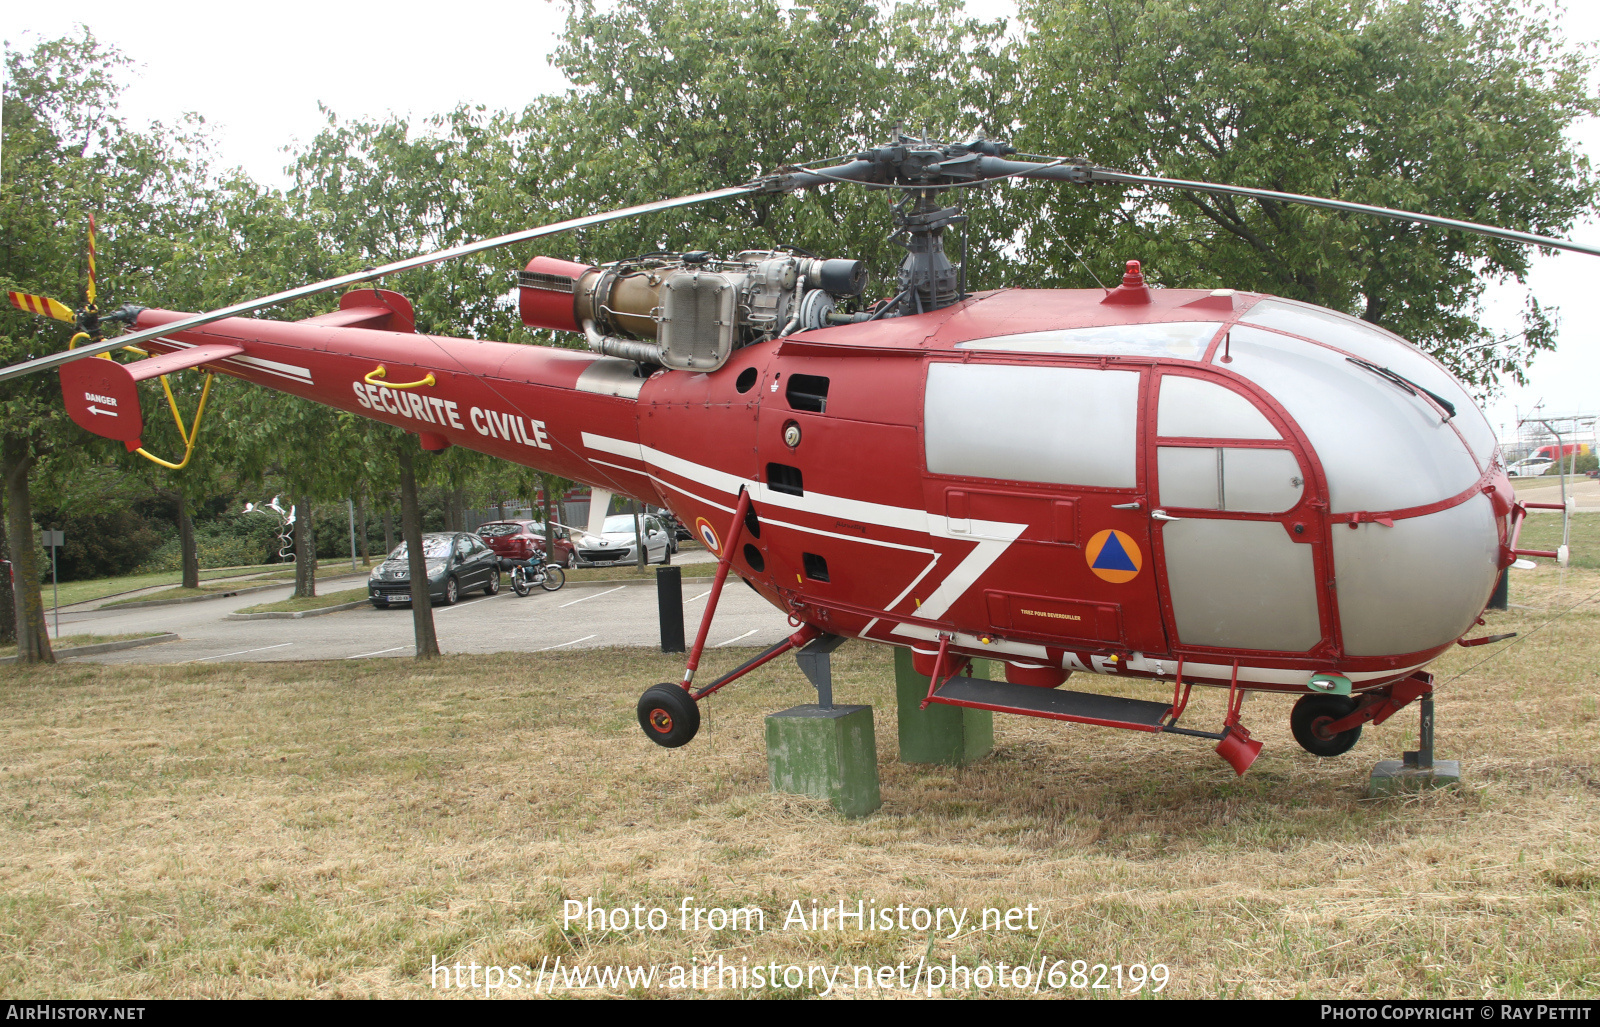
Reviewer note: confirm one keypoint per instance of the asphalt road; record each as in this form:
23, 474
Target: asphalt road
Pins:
592, 615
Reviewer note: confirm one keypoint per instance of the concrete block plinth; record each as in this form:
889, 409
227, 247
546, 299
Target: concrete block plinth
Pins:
939, 734
1395, 777
827, 753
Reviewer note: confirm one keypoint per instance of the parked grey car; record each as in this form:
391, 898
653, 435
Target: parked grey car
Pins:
457, 563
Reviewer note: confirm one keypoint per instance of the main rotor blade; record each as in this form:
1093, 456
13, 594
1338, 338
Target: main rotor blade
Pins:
1107, 175
358, 277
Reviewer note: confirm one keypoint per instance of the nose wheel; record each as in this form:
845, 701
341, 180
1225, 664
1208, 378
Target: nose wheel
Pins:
669, 715
1310, 720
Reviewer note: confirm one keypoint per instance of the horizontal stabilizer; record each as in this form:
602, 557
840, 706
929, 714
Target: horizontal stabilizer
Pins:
181, 360
102, 396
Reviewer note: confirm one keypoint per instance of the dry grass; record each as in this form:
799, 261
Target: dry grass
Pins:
326, 829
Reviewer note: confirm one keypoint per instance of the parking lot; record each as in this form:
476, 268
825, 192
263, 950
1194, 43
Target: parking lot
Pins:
591, 615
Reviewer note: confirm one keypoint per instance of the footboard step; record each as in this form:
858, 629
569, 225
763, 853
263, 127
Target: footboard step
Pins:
1053, 703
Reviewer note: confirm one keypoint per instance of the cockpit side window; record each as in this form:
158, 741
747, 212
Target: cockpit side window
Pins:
1055, 425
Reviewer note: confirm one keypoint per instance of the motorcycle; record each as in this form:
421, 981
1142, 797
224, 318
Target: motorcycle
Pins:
548, 576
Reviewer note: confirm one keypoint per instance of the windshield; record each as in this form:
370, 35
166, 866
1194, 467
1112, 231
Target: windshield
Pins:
621, 523
499, 530
433, 548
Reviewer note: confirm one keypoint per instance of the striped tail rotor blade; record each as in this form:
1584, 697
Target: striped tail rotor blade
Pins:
90, 290
42, 305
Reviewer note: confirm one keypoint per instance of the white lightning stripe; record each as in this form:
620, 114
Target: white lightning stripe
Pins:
968, 571
722, 481
897, 600
852, 538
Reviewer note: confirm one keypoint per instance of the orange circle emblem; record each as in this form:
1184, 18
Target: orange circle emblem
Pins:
1114, 556
708, 535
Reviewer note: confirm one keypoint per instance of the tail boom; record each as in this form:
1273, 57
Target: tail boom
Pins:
521, 403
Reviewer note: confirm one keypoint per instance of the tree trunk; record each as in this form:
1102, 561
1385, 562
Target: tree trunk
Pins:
551, 553
305, 554
361, 526
411, 528
33, 641
191, 559
8, 620
388, 531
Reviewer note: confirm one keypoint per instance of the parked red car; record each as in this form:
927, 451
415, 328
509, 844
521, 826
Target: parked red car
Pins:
516, 541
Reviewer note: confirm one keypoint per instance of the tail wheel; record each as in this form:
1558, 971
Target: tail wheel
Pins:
519, 581
1309, 721
554, 578
669, 715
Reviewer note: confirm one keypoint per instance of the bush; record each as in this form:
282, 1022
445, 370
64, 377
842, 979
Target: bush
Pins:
100, 544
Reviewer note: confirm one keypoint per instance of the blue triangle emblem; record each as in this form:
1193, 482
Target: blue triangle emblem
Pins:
1113, 557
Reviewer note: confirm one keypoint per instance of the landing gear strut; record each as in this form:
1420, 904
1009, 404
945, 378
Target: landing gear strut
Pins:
670, 714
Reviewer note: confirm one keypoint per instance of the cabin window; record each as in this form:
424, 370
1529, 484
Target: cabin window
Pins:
1179, 340
1193, 408
1237, 480
1058, 425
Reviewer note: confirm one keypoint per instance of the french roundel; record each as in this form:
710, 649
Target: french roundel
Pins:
1114, 556
708, 535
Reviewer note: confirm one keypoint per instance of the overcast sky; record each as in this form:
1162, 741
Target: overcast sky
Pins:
257, 73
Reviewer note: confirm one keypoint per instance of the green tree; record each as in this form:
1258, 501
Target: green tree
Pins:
1423, 105
67, 154
672, 97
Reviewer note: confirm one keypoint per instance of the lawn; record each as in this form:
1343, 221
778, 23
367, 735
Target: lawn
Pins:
319, 602
100, 588
301, 829
1543, 531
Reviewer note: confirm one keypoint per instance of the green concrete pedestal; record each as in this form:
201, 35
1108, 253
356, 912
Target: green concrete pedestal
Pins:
827, 754
939, 734
1395, 777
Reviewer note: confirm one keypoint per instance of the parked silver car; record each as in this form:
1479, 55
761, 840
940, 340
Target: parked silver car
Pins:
616, 544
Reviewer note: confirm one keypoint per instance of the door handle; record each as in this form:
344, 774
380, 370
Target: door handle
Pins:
1126, 506
1162, 515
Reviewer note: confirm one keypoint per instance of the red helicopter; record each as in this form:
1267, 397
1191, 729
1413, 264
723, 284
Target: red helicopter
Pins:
1175, 486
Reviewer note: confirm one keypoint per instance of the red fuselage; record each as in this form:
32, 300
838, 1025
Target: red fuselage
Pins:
1050, 500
